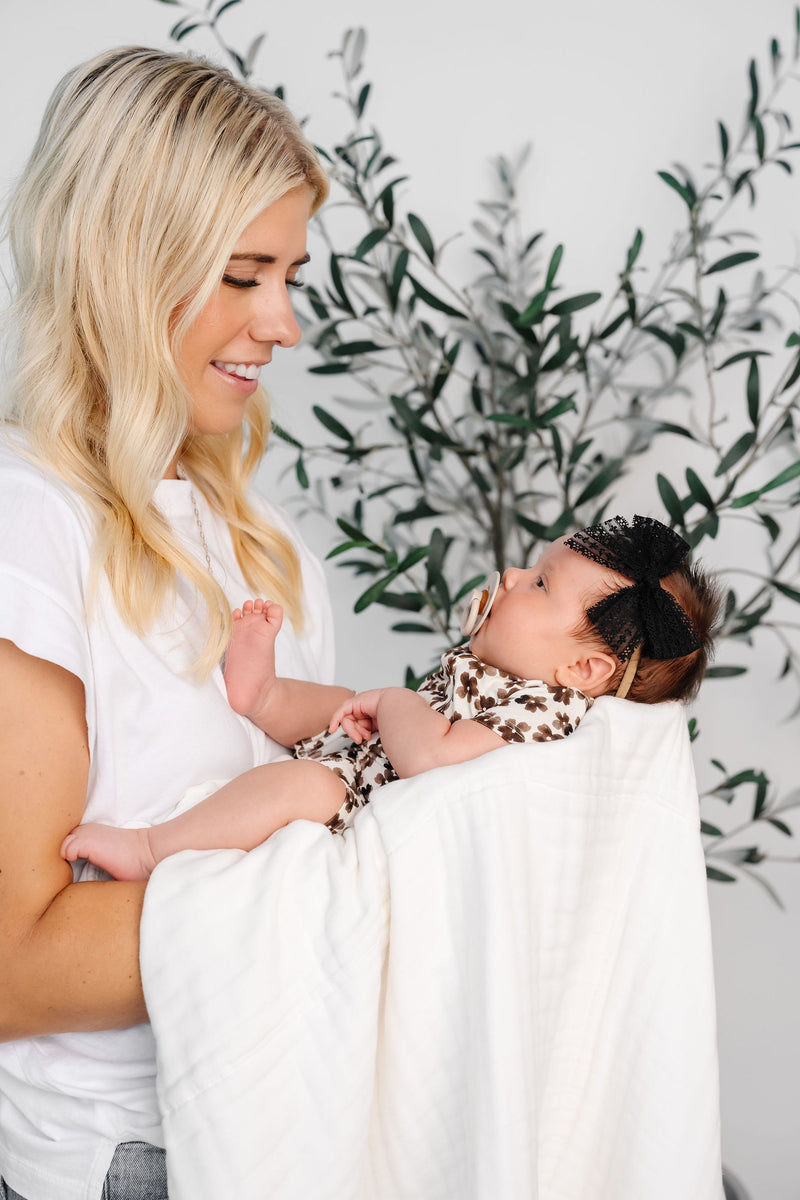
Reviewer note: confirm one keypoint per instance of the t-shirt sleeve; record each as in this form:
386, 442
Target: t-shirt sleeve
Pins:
534, 713
44, 563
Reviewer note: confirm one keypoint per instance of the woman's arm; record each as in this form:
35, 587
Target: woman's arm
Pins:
414, 736
69, 953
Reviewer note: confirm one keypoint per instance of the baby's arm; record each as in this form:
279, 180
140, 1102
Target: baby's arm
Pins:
286, 709
414, 736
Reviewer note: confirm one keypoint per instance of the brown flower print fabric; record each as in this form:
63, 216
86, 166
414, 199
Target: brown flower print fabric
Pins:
464, 688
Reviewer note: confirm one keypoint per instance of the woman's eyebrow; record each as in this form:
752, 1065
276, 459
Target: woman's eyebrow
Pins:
267, 258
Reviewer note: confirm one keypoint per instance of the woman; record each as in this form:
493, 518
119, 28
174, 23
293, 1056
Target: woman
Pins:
155, 234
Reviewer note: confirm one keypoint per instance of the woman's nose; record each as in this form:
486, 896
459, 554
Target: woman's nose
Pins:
274, 321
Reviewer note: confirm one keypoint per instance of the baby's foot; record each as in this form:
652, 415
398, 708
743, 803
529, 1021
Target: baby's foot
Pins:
124, 853
250, 658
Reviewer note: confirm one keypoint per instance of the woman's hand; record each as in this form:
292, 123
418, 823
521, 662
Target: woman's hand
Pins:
68, 952
358, 716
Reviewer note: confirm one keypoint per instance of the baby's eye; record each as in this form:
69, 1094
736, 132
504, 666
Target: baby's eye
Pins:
539, 582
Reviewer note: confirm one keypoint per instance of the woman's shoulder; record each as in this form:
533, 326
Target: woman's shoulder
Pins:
22, 471
33, 498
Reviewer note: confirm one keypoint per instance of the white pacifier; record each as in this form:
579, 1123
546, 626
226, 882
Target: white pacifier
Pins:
480, 603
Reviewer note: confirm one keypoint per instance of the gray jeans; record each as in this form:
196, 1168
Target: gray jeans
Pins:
138, 1171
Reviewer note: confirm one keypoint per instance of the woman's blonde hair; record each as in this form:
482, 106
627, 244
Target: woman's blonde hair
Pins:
147, 169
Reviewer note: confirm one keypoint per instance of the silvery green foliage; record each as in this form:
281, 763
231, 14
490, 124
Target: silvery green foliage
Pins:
473, 421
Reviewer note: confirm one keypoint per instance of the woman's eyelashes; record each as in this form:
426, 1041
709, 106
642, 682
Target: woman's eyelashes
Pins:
249, 283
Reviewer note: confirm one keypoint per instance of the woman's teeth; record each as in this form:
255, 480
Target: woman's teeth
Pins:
243, 370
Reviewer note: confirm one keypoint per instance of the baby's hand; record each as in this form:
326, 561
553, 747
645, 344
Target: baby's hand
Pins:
357, 716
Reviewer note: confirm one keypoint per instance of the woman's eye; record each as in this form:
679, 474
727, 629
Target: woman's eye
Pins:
239, 283
298, 283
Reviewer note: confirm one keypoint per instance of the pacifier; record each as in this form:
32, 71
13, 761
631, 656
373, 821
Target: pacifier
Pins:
479, 604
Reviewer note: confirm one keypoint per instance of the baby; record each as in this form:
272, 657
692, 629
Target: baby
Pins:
591, 617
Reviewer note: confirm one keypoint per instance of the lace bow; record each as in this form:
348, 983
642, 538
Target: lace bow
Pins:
645, 613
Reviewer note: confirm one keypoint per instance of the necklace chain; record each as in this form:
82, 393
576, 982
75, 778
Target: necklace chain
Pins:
182, 475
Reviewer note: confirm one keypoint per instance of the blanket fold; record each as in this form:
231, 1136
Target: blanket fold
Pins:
496, 985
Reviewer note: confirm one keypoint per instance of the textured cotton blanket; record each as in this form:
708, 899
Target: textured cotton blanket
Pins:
496, 986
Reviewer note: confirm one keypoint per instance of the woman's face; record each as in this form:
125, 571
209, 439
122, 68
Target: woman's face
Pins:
222, 353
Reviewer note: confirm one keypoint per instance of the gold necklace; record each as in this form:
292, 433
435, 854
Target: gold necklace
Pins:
182, 475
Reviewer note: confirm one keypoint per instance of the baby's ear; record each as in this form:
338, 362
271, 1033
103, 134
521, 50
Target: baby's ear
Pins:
589, 673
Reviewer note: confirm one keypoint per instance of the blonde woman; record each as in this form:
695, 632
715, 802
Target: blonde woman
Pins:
156, 234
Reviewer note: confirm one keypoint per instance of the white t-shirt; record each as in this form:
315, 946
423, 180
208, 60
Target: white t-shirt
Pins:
67, 1100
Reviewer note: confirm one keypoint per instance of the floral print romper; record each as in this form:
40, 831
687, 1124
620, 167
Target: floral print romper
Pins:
519, 710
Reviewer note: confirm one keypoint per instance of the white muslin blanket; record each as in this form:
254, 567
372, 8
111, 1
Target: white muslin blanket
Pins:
496, 986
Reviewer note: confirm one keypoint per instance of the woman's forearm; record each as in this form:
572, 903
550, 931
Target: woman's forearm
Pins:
69, 957
77, 967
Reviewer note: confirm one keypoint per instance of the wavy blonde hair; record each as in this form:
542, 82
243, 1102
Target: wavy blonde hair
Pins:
147, 169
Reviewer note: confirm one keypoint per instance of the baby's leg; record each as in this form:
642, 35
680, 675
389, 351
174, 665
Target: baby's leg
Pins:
250, 657
240, 815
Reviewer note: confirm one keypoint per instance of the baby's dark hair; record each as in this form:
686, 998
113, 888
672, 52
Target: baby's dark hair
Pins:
656, 679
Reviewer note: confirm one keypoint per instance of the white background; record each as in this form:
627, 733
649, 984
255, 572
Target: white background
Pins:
608, 94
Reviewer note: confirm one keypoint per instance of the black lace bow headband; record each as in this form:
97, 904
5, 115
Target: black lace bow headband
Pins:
644, 614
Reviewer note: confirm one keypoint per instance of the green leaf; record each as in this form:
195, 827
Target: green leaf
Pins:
753, 391
719, 876
398, 275
634, 249
434, 301
411, 627
329, 369
753, 108
724, 141
685, 191
760, 138
331, 424
423, 237
785, 476
372, 593
742, 354
575, 303
302, 475
724, 672
347, 349
676, 341
698, 489
670, 499
179, 31
614, 325
361, 102
369, 241
784, 828
795, 375
223, 7
338, 283
420, 510
732, 260
736, 452
552, 269
785, 590
603, 479
535, 309
711, 830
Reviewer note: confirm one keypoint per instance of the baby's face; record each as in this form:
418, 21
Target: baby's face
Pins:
529, 630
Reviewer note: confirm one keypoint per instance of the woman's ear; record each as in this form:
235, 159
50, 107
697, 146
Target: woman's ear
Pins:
589, 674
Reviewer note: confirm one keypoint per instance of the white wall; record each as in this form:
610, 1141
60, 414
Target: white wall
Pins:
608, 94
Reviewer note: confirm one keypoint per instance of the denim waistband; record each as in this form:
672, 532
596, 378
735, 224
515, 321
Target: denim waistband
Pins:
138, 1171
